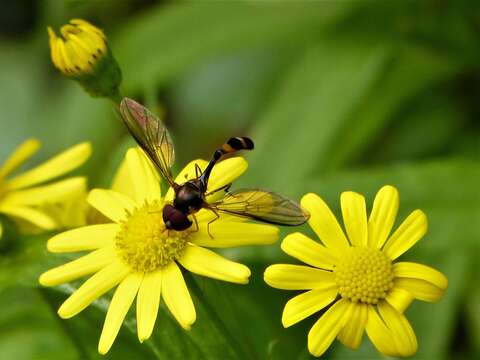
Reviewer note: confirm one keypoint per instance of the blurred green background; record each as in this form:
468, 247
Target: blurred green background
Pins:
338, 95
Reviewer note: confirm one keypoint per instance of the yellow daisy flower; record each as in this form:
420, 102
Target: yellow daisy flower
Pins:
20, 196
355, 274
84, 55
136, 252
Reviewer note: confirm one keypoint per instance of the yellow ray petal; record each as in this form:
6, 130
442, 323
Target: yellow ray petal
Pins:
234, 233
207, 263
407, 234
85, 238
110, 203
354, 213
78, 268
93, 288
379, 334
121, 302
187, 173
308, 251
56, 166
421, 272
225, 172
382, 217
148, 300
352, 333
308, 303
122, 182
401, 330
33, 216
420, 289
325, 330
400, 299
144, 182
22, 153
176, 296
324, 223
57, 192
297, 277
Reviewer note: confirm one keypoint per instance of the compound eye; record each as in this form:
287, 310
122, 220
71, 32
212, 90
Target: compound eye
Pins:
175, 219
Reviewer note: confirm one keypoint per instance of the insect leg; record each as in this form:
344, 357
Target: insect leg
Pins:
211, 221
198, 171
225, 187
196, 222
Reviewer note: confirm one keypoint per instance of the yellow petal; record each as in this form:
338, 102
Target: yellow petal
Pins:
207, 263
324, 223
233, 233
421, 272
148, 300
354, 213
225, 172
309, 251
308, 303
382, 217
420, 289
176, 296
52, 40
22, 153
423, 282
110, 203
78, 268
352, 333
93, 288
57, 192
401, 330
144, 182
33, 216
121, 182
326, 329
379, 334
297, 277
56, 166
400, 299
121, 302
407, 234
187, 173
85, 238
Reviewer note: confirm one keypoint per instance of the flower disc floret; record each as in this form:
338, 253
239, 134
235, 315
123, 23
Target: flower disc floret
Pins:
144, 243
364, 275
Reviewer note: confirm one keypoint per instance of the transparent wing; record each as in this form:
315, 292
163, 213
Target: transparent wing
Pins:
151, 135
262, 205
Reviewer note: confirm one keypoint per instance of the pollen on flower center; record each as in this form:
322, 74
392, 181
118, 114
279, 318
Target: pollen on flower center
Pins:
145, 244
364, 275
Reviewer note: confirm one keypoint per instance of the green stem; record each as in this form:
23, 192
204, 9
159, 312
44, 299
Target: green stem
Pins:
216, 318
82, 354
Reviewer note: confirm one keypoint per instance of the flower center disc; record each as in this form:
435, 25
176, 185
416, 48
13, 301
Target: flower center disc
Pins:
145, 244
364, 275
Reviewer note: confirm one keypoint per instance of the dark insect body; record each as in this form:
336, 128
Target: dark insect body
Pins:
190, 196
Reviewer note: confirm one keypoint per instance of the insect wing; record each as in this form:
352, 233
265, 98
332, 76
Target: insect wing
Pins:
262, 205
150, 134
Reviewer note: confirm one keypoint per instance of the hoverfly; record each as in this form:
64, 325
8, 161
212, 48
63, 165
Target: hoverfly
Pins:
152, 136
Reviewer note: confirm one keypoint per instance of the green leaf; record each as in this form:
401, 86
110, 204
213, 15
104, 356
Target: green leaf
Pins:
313, 104
412, 71
166, 41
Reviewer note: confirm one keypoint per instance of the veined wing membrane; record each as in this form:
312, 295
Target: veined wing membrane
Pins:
151, 134
262, 205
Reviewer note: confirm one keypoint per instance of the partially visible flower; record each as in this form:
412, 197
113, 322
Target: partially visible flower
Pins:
83, 54
136, 252
23, 198
354, 276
